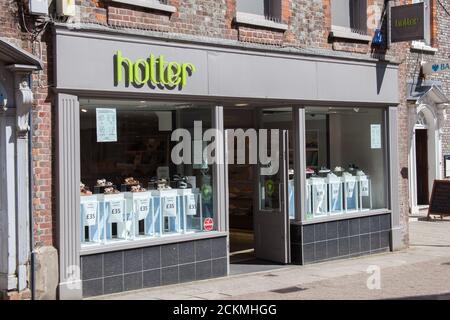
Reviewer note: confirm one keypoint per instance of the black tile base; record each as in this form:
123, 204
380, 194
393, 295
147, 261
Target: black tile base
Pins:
343, 239
134, 269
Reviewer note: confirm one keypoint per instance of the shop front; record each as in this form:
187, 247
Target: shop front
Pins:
147, 192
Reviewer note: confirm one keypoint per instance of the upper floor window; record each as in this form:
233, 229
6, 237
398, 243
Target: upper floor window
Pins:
349, 15
427, 24
270, 9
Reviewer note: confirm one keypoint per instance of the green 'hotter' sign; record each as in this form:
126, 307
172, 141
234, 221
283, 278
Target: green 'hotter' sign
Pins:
154, 71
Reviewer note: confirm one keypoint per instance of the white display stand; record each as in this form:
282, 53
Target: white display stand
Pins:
114, 212
166, 211
351, 197
335, 201
291, 199
309, 213
190, 209
140, 205
365, 193
90, 218
319, 197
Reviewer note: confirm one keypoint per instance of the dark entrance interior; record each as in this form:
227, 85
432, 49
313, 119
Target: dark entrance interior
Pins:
241, 184
422, 166
243, 188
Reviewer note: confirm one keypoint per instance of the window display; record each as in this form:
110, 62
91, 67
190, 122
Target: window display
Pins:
347, 175
131, 189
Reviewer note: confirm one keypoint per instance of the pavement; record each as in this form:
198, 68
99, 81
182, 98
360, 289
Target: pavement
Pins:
420, 272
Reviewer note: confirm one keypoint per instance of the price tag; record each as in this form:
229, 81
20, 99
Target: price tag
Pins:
335, 190
191, 205
142, 206
90, 213
116, 211
364, 188
319, 191
350, 188
170, 206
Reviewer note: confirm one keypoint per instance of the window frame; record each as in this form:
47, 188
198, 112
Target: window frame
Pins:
217, 173
356, 30
425, 44
265, 21
150, 4
300, 151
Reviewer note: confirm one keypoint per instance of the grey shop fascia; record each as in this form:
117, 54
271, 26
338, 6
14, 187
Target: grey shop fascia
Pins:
111, 64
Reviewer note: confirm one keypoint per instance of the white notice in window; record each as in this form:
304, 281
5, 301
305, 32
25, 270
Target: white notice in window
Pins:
375, 136
106, 125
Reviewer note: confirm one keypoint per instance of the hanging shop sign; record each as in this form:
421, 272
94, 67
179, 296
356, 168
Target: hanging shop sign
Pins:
152, 71
435, 67
407, 22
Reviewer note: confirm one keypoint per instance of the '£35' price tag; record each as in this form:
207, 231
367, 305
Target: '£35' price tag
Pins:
90, 213
170, 207
116, 211
142, 207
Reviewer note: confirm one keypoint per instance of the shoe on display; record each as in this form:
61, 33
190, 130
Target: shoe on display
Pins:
130, 181
101, 182
110, 190
84, 190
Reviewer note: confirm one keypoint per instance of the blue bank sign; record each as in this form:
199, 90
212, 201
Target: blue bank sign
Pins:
434, 67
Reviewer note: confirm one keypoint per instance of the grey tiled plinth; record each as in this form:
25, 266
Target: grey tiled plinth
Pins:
340, 239
134, 269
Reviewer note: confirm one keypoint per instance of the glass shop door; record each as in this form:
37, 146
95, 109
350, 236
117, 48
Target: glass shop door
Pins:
271, 217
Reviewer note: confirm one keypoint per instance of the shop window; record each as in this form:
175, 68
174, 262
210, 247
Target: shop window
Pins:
270, 9
345, 158
349, 15
131, 187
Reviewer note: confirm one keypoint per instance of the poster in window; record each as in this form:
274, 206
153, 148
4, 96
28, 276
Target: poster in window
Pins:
106, 125
375, 136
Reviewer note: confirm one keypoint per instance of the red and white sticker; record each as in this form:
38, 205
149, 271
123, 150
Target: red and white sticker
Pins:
208, 224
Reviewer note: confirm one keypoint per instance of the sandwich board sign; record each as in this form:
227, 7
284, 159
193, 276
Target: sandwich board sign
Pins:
440, 199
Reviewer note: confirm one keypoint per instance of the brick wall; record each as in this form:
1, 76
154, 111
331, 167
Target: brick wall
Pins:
440, 39
12, 28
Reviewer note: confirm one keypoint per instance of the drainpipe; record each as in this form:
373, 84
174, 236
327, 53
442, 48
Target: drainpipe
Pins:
30, 203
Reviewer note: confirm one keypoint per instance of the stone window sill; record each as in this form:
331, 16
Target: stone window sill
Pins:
260, 21
156, 5
421, 46
343, 33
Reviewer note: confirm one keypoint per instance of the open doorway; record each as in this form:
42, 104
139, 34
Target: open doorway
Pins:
259, 235
241, 189
422, 166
